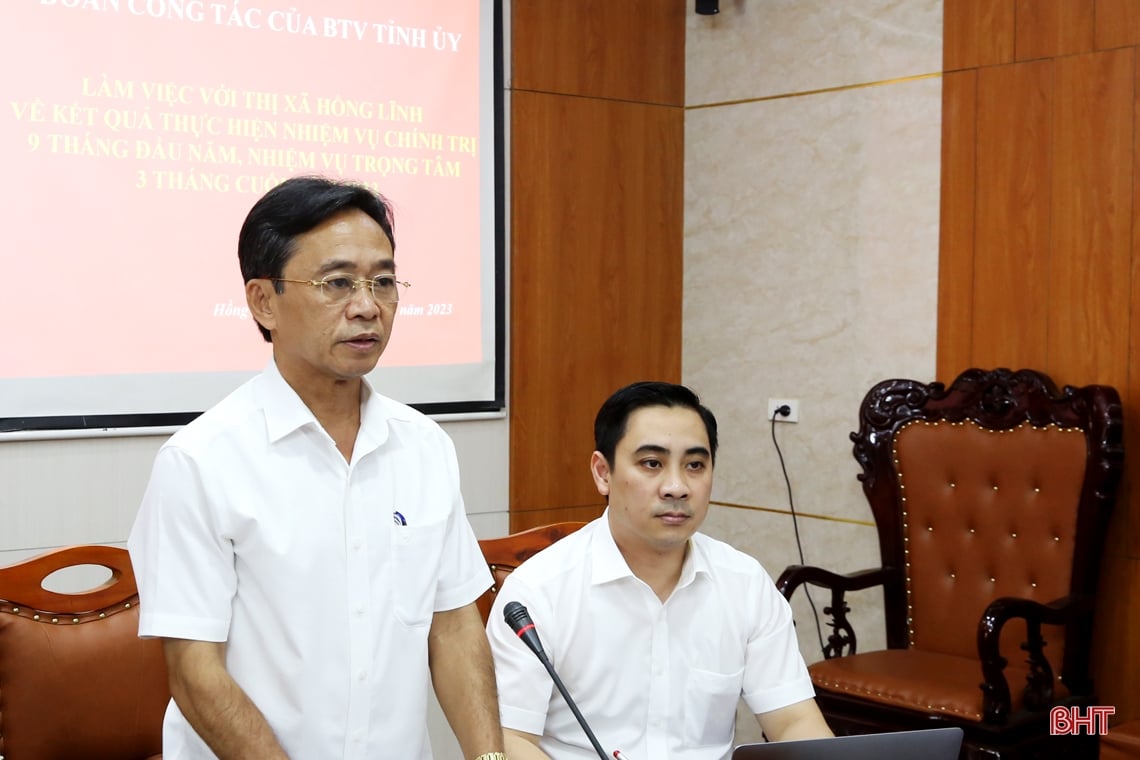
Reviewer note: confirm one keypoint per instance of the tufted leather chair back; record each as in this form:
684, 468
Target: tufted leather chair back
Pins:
987, 514
999, 486
991, 499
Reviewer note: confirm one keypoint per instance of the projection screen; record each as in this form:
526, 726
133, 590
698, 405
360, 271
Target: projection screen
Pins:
135, 136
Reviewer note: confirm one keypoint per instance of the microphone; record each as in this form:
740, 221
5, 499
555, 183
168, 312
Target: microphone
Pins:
519, 620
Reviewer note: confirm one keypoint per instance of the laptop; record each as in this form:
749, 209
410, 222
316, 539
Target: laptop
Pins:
928, 744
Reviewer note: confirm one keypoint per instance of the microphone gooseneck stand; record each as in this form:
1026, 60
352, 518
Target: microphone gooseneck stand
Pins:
519, 620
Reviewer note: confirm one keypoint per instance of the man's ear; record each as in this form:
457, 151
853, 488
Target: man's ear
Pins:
600, 469
259, 296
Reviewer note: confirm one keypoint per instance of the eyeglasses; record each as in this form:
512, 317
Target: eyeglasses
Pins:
340, 287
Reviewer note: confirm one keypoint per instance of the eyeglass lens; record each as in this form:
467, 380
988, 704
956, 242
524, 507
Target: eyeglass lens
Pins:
340, 287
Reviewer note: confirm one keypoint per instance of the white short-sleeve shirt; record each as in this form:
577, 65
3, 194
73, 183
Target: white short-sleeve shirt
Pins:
321, 575
654, 680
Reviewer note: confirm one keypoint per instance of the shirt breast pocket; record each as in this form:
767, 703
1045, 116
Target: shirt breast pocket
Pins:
416, 555
710, 706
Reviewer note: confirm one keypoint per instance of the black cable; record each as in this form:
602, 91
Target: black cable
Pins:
796, 526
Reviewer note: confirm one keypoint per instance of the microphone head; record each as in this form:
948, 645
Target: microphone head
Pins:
516, 616
519, 620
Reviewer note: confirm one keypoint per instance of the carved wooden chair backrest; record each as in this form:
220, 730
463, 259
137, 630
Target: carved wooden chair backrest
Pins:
999, 485
505, 553
75, 679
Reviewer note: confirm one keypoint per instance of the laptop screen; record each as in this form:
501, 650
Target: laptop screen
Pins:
928, 744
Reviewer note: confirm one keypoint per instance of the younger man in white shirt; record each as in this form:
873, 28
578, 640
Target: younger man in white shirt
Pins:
655, 630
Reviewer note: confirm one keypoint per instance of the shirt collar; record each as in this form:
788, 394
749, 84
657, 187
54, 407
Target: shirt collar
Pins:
283, 408
696, 563
374, 417
285, 412
610, 565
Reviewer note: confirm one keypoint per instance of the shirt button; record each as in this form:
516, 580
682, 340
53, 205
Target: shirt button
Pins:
359, 611
356, 545
362, 675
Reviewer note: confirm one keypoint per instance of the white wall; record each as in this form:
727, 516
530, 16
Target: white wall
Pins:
812, 176
87, 490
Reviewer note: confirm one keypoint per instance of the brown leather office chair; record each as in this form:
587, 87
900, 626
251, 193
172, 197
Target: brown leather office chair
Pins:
505, 553
991, 499
75, 679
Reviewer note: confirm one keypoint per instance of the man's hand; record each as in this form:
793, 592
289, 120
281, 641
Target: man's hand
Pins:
464, 679
214, 705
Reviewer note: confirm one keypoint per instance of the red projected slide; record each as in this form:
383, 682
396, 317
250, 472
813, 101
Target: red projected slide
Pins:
136, 134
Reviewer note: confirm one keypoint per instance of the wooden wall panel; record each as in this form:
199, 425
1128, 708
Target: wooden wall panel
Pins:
1126, 526
625, 50
976, 33
1090, 287
1051, 28
1117, 23
956, 262
1012, 221
596, 278
1091, 229
597, 159
1061, 230
1132, 393
1115, 656
532, 518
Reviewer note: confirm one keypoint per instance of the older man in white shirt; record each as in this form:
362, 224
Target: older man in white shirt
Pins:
302, 547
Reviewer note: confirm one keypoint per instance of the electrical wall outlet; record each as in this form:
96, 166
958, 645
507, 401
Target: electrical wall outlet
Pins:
791, 403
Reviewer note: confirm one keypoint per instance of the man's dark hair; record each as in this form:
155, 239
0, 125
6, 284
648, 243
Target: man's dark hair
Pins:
268, 236
613, 418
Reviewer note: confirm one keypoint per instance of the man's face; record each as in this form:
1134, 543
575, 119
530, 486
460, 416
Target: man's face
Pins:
659, 482
313, 339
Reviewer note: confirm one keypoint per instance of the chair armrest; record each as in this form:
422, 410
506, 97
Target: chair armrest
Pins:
795, 576
842, 640
1038, 693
